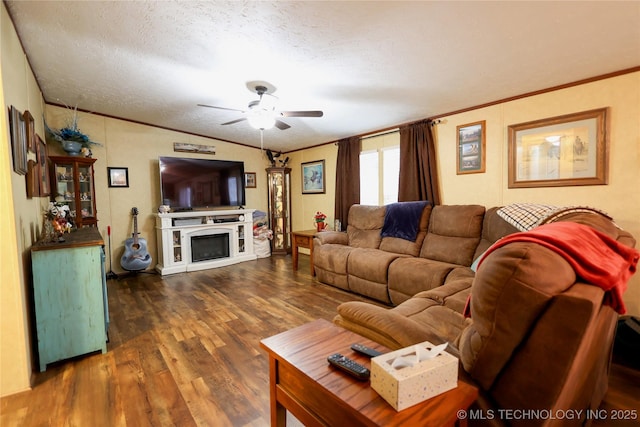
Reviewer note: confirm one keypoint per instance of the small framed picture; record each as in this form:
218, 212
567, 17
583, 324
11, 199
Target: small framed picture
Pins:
43, 166
18, 141
250, 180
313, 181
471, 146
118, 177
31, 132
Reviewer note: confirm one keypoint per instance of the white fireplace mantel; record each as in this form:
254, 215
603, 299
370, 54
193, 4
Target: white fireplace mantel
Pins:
175, 230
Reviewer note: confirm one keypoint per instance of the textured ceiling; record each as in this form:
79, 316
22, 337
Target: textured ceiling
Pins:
367, 65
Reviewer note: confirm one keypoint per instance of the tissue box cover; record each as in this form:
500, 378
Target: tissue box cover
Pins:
410, 385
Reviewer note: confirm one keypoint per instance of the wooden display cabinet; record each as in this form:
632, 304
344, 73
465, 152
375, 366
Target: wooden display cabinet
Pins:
74, 186
279, 183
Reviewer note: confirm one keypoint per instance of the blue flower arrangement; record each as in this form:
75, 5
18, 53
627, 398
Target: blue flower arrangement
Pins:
71, 132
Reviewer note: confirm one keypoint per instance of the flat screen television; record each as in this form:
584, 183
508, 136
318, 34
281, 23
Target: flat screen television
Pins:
187, 184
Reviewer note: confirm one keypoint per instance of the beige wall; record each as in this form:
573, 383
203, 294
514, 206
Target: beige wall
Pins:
21, 220
305, 206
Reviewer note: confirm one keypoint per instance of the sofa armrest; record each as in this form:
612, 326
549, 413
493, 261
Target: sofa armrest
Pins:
335, 237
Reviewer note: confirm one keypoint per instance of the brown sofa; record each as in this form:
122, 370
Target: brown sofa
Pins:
539, 337
392, 270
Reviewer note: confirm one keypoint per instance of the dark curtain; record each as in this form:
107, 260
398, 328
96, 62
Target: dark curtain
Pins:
347, 178
418, 171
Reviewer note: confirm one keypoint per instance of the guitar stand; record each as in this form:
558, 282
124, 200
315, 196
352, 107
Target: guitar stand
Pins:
110, 274
130, 273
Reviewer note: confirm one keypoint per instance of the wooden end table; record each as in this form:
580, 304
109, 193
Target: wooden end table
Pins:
303, 239
302, 382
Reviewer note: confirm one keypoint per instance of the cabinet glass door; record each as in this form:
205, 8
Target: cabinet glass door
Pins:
177, 246
74, 187
279, 207
85, 187
241, 238
66, 186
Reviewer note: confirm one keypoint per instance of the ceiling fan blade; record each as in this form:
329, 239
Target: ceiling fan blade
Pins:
315, 113
234, 121
281, 125
220, 108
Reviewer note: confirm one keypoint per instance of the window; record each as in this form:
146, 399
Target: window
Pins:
379, 175
369, 178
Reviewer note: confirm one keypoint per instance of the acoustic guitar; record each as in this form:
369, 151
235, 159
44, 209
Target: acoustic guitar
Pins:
135, 257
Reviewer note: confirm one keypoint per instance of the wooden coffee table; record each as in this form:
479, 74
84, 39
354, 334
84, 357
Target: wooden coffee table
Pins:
303, 383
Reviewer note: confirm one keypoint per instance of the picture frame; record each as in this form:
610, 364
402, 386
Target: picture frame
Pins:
33, 181
18, 141
470, 153
250, 180
313, 179
566, 150
186, 147
43, 167
30, 131
118, 177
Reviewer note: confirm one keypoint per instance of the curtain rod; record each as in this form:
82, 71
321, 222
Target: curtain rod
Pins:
389, 132
395, 130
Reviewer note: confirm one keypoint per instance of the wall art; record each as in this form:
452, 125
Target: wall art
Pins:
313, 180
470, 155
559, 151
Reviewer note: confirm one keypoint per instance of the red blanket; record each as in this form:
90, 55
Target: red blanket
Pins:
595, 257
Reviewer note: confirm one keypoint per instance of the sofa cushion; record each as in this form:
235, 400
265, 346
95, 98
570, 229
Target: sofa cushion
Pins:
408, 276
402, 246
429, 316
454, 233
382, 325
494, 227
371, 264
365, 224
368, 272
330, 262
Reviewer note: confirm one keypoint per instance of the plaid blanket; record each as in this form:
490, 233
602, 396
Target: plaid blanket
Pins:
527, 216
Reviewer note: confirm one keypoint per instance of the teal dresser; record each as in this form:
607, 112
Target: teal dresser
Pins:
70, 296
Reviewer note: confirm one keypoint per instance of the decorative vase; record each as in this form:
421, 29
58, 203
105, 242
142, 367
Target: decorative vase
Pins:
72, 147
320, 226
48, 232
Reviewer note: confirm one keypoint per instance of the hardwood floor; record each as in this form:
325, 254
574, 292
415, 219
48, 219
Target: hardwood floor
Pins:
184, 350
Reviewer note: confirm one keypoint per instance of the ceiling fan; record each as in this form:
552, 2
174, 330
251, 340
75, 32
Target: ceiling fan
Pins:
262, 113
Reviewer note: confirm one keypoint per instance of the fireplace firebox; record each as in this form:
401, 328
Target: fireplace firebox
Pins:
209, 246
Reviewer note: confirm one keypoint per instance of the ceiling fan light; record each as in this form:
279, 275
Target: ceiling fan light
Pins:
261, 119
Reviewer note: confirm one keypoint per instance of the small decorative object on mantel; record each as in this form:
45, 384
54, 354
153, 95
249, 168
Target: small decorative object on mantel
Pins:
194, 148
319, 218
72, 140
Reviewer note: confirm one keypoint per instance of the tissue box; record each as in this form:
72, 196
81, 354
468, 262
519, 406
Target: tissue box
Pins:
406, 386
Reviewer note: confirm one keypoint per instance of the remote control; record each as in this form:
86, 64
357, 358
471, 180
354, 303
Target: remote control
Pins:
368, 351
349, 366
